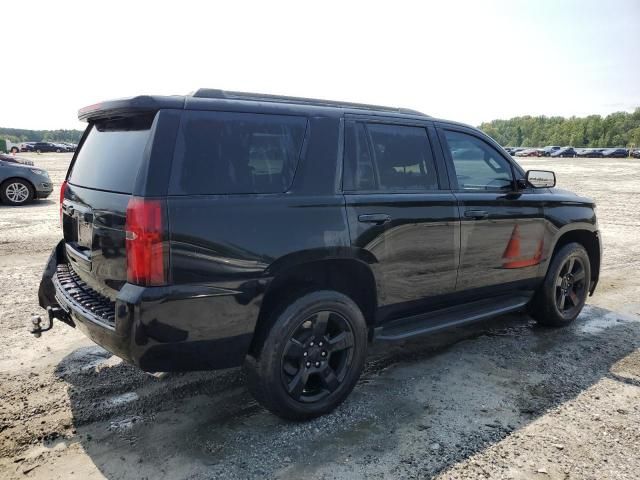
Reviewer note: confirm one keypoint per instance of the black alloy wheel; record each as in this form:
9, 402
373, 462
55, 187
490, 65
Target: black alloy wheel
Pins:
571, 288
562, 295
317, 356
308, 355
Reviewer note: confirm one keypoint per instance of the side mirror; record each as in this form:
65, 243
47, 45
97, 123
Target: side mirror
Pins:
541, 178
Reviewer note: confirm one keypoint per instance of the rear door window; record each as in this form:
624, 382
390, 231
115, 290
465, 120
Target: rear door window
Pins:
390, 158
227, 153
111, 155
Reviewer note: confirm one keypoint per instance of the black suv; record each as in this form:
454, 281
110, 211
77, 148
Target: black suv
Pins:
42, 147
284, 234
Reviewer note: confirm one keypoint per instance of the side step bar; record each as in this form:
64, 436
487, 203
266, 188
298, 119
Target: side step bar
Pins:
431, 322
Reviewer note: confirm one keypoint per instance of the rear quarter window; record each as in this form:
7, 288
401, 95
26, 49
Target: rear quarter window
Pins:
111, 154
228, 153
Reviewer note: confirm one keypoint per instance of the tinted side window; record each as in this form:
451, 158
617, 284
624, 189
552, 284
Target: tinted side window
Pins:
111, 154
402, 158
222, 152
358, 168
478, 165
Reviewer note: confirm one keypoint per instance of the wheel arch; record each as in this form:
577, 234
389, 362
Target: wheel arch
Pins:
348, 275
590, 240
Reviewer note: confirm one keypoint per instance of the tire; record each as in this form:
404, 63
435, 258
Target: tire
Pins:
299, 372
16, 192
563, 293
58, 150
38, 152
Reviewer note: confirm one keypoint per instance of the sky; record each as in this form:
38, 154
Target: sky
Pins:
470, 61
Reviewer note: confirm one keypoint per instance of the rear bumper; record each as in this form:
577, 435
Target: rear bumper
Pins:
173, 328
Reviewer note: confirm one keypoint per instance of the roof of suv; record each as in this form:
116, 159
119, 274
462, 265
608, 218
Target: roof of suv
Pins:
141, 104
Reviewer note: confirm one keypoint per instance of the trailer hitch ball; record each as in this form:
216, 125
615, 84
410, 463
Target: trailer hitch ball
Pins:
36, 326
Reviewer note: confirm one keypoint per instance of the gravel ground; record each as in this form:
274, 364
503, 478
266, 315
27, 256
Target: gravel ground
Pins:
501, 399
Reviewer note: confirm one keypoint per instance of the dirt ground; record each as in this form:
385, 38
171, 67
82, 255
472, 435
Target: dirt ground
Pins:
502, 399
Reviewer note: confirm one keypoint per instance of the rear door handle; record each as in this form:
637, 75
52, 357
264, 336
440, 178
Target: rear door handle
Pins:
377, 218
477, 214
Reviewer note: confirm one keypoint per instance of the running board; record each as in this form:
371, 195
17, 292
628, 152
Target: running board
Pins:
455, 316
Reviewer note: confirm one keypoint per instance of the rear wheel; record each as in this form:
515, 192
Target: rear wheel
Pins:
311, 358
564, 291
16, 192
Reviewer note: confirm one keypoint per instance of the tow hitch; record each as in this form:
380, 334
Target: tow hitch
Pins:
36, 328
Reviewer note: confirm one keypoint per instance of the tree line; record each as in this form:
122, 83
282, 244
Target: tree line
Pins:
620, 129
16, 135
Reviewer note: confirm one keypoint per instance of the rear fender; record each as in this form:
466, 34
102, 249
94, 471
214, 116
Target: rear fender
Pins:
317, 254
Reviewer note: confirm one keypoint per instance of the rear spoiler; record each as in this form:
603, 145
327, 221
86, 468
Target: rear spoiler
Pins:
124, 107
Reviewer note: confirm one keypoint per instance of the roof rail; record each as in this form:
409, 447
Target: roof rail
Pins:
264, 97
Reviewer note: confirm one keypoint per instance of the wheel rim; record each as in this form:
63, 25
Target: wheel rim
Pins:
17, 192
571, 286
317, 356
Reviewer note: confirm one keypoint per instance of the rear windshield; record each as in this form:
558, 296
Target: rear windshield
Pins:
111, 154
226, 152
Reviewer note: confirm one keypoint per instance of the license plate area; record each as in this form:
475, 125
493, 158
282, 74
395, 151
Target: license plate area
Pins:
85, 232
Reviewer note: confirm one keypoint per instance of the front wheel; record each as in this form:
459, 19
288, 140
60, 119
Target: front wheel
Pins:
311, 357
16, 192
562, 295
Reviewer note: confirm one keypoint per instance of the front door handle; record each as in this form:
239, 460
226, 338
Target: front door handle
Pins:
476, 214
377, 218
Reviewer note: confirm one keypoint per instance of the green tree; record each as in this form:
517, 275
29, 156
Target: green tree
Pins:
618, 129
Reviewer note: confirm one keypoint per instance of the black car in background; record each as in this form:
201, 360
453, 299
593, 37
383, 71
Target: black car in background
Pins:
636, 153
615, 153
590, 153
284, 234
564, 152
45, 147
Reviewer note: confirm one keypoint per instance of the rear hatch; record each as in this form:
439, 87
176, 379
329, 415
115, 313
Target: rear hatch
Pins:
100, 184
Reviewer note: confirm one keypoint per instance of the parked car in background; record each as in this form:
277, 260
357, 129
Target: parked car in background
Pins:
636, 153
564, 152
63, 146
43, 147
590, 153
71, 147
20, 184
529, 152
615, 153
219, 256
549, 149
25, 147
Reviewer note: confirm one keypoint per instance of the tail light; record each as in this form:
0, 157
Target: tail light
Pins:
145, 249
63, 188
